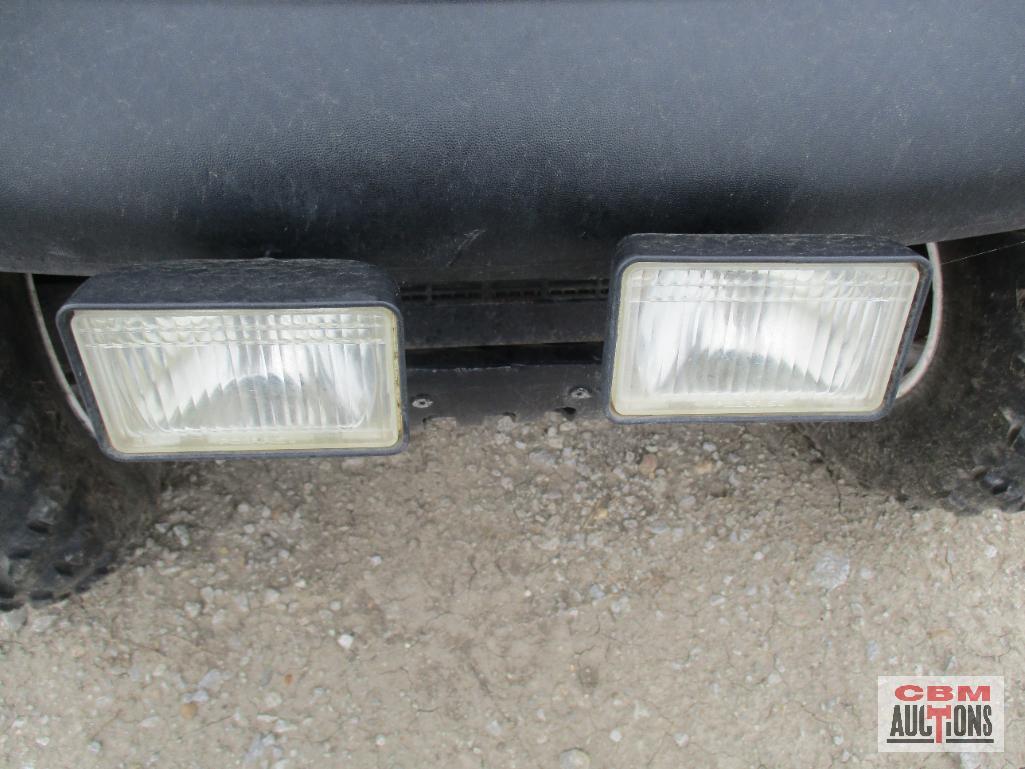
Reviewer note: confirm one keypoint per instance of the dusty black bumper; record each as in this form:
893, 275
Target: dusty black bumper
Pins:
497, 141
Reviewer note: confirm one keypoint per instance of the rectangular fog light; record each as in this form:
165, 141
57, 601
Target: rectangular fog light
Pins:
208, 359
760, 327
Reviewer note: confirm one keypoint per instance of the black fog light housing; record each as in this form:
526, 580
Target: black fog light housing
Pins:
206, 359
706, 327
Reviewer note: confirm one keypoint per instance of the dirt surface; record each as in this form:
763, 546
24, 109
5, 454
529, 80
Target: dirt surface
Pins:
561, 594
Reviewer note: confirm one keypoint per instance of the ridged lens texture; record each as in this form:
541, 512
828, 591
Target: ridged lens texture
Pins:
759, 338
168, 381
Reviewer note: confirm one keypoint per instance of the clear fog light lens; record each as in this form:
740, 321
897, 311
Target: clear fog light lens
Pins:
202, 381
737, 338
211, 358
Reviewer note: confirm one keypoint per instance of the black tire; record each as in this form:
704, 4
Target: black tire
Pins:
66, 511
956, 437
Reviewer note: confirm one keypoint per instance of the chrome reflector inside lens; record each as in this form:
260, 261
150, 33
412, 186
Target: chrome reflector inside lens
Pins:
736, 338
243, 380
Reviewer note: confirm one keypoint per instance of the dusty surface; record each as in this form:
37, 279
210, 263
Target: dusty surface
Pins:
561, 594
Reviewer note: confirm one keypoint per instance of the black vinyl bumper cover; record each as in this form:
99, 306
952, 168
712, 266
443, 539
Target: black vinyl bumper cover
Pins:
494, 140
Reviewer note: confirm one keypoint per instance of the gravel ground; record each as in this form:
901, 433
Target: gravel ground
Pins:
560, 594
